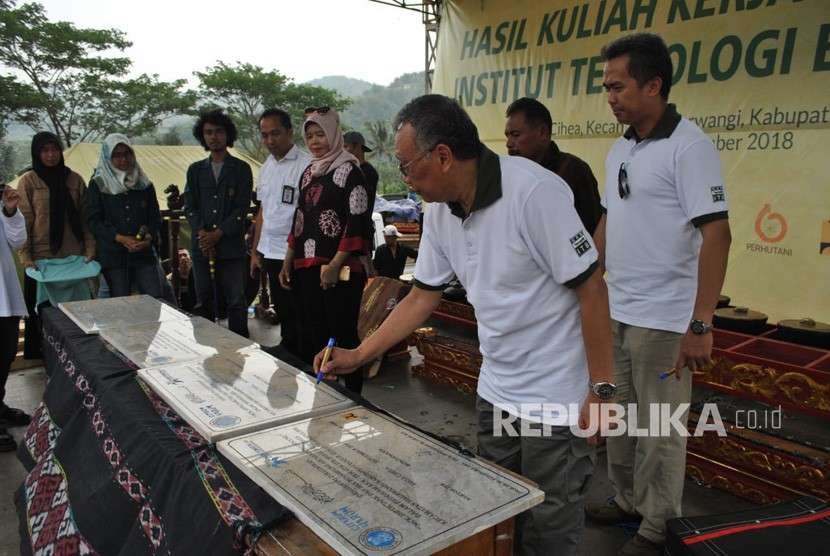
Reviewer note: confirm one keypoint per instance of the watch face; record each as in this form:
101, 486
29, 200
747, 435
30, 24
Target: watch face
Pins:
605, 390
698, 327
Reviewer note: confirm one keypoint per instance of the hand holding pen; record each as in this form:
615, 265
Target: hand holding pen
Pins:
326, 357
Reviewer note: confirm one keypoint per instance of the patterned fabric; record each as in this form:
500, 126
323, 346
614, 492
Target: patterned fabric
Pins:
332, 215
129, 463
52, 528
230, 504
151, 523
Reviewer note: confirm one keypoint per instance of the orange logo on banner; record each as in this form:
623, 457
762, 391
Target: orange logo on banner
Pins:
770, 226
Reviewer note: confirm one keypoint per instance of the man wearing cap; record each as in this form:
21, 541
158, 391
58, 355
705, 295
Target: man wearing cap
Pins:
390, 259
355, 143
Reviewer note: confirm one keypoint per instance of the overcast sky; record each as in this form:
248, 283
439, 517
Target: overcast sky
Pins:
303, 39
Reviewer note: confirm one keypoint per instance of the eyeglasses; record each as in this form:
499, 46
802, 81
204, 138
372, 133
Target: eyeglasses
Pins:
319, 110
623, 188
404, 168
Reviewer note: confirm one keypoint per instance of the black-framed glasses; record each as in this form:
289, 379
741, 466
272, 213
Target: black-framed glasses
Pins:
622, 182
319, 110
404, 168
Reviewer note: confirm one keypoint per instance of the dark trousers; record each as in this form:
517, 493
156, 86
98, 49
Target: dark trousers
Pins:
9, 332
144, 278
230, 286
330, 313
32, 334
285, 306
560, 463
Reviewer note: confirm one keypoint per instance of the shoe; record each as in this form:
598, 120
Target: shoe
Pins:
7, 443
640, 546
11, 417
609, 514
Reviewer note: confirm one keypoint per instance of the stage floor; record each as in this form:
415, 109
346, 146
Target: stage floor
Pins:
438, 409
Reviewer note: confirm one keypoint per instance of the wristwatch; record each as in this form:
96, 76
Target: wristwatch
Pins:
604, 390
699, 327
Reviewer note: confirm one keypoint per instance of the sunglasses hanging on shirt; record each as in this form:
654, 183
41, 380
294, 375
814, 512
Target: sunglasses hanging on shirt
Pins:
622, 182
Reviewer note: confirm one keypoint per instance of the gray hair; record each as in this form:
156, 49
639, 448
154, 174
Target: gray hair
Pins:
440, 120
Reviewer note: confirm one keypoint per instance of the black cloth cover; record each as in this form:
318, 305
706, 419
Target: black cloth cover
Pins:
112, 469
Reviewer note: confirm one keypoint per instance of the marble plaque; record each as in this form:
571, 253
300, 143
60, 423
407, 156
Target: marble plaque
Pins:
235, 393
160, 343
367, 484
93, 315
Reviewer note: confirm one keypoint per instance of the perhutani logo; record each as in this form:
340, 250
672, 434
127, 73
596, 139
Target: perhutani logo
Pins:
718, 195
618, 420
770, 227
580, 244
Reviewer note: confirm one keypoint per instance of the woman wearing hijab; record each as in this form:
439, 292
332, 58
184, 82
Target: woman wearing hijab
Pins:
51, 198
123, 213
331, 223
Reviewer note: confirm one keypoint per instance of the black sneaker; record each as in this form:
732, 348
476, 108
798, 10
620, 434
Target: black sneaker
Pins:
640, 546
11, 417
609, 513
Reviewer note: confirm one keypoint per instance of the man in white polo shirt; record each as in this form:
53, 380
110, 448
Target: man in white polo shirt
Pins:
508, 229
278, 190
665, 240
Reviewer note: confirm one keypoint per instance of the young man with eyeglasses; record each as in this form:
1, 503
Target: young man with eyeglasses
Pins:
508, 229
664, 241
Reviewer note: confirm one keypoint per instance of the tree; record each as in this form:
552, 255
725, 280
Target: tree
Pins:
169, 137
246, 90
59, 81
7, 158
381, 140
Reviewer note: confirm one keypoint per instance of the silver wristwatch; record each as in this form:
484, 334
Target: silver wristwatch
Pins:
604, 390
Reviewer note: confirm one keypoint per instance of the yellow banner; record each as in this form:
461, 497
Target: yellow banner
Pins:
753, 74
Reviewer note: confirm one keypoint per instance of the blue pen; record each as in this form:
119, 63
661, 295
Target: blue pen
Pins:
667, 374
326, 355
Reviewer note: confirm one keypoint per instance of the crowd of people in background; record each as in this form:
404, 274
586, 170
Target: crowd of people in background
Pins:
528, 235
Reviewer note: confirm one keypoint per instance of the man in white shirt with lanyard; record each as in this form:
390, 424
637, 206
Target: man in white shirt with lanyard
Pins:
508, 229
665, 240
278, 191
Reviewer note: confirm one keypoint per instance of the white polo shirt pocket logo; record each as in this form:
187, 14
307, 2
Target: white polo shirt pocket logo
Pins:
718, 195
580, 244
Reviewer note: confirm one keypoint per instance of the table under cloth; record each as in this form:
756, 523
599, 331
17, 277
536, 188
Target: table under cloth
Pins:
112, 469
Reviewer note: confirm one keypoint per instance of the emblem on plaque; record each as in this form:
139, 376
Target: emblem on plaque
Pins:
381, 538
225, 421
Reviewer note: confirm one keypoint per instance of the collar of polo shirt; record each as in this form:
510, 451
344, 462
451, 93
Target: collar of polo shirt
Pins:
664, 128
488, 184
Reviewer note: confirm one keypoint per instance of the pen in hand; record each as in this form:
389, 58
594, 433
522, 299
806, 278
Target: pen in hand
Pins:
667, 374
326, 355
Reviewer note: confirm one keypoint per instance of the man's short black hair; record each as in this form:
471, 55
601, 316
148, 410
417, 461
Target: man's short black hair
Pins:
217, 118
535, 112
648, 57
440, 120
282, 115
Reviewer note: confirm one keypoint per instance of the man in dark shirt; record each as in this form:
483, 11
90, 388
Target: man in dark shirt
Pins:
355, 143
217, 198
390, 259
528, 129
